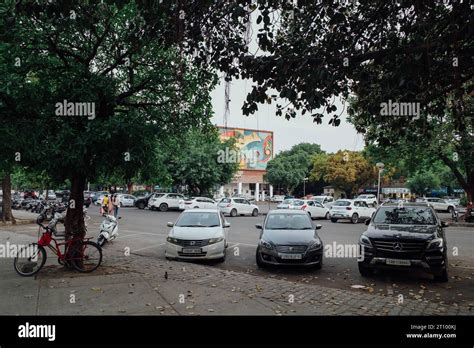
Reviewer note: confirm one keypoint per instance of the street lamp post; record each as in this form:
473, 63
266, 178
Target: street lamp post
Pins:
380, 166
304, 186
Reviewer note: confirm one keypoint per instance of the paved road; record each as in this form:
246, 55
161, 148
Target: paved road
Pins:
144, 232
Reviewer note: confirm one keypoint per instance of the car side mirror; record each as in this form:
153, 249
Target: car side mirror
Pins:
259, 226
318, 226
367, 222
226, 224
444, 224
170, 224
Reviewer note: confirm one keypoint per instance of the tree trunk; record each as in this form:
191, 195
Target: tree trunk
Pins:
74, 223
7, 214
470, 188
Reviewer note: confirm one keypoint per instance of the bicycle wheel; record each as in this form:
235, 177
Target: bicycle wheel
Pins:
87, 256
29, 260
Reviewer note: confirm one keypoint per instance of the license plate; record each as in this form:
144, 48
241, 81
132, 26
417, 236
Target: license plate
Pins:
336, 214
397, 262
192, 251
291, 256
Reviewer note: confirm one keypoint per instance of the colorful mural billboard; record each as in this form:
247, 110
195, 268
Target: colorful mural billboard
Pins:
255, 146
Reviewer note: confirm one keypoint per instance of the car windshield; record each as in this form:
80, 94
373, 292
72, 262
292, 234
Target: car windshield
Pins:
225, 200
288, 222
158, 195
405, 216
342, 203
198, 219
287, 201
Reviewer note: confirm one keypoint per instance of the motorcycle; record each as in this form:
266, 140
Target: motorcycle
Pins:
455, 215
469, 216
108, 229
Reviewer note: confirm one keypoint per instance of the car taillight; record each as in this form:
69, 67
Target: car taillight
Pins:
229, 205
349, 208
303, 207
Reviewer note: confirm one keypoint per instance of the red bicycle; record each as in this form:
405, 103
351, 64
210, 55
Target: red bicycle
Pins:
82, 254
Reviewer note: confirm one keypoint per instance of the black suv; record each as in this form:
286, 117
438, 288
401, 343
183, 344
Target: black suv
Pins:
405, 236
142, 202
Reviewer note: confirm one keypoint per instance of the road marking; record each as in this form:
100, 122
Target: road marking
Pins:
148, 247
127, 235
233, 246
148, 233
245, 244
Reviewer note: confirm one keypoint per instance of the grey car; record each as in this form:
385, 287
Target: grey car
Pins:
288, 237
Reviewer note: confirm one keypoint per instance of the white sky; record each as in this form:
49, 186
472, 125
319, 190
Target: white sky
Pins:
286, 133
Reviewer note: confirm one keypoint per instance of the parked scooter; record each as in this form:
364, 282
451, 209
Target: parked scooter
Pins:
455, 215
108, 229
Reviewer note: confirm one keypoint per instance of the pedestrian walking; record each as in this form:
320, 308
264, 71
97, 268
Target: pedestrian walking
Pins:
105, 205
110, 207
116, 204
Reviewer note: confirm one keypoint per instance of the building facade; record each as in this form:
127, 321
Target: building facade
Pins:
254, 150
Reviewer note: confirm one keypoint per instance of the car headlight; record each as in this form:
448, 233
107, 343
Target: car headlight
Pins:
265, 244
316, 244
365, 240
172, 240
436, 243
215, 240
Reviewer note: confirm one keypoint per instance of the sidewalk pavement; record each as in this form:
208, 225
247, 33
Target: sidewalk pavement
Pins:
126, 285
23, 217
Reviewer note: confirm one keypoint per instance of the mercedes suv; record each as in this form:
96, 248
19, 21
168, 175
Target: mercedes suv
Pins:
405, 236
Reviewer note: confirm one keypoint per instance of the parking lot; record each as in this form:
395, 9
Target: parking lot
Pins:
144, 232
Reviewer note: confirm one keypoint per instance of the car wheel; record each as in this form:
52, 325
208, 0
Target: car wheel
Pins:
141, 205
258, 259
333, 220
355, 218
163, 207
233, 212
450, 209
326, 216
364, 270
222, 259
255, 212
319, 265
120, 205
442, 277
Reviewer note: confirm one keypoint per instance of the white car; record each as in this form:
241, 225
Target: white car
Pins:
237, 206
327, 201
353, 210
315, 209
198, 234
291, 203
164, 201
197, 202
126, 200
277, 198
369, 199
440, 204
